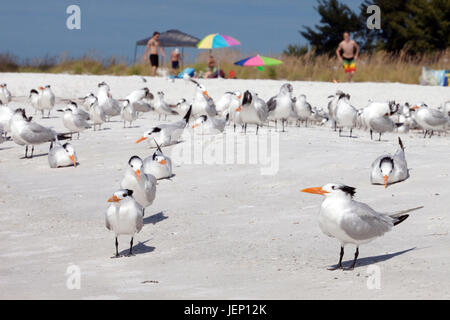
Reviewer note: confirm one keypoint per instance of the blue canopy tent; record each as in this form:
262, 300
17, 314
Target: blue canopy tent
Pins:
171, 38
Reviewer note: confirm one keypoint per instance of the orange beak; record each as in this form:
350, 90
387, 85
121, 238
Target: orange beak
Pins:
238, 109
385, 181
239, 97
163, 162
206, 93
195, 125
113, 199
41, 88
72, 157
138, 175
415, 107
141, 139
317, 190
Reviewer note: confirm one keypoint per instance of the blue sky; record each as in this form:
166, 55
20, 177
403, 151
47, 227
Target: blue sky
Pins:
33, 28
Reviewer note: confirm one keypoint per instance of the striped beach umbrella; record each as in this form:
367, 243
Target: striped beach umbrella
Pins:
215, 41
258, 61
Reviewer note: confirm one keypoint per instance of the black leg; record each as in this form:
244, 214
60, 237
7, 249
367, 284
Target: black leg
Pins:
275, 125
425, 135
339, 265
26, 151
32, 151
117, 248
257, 128
131, 247
234, 127
371, 134
379, 139
351, 131
354, 260
340, 130
143, 211
282, 123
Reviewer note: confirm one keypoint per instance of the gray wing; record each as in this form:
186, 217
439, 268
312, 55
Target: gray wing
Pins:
80, 122
38, 134
365, 223
52, 157
272, 103
437, 118
261, 109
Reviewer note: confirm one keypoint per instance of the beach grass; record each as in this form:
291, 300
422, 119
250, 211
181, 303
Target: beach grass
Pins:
377, 67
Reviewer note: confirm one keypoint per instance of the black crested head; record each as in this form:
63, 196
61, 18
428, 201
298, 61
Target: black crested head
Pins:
132, 158
65, 145
129, 192
156, 129
33, 91
247, 98
387, 160
341, 95
154, 155
348, 190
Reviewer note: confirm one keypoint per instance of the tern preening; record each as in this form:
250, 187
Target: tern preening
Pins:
203, 104
253, 110
124, 217
281, 105
143, 185
110, 106
350, 221
388, 169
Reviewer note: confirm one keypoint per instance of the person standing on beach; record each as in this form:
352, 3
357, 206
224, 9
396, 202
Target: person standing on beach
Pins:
175, 59
349, 56
154, 44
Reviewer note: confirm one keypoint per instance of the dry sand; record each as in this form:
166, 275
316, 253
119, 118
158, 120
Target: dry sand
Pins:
221, 231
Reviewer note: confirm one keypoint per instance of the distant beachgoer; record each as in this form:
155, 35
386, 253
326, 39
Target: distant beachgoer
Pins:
349, 56
154, 44
211, 67
175, 58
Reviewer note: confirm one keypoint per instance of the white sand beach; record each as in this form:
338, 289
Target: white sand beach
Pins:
221, 231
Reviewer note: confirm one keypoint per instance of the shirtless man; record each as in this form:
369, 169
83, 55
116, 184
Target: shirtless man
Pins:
349, 56
153, 44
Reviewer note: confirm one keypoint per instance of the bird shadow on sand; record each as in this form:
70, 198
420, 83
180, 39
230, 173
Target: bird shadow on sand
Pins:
6, 148
374, 259
154, 219
132, 127
140, 248
35, 156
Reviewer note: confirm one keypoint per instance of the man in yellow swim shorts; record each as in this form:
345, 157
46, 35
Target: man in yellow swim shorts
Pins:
350, 52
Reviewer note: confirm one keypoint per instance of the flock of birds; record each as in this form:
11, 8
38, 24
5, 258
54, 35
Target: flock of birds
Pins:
341, 217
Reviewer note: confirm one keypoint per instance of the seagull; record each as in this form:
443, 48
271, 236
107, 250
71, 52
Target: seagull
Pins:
97, 114
281, 105
110, 106
303, 109
227, 101
350, 221
162, 107
87, 101
74, 120
254, 110
203, 104
166, 134
26, 133
143, 185
158, 165
376, 117
61, 155
430, 119
6, 114
141, 100
182, 106
332, 105
209, 125
46, 100
124, 217
345, 114
128, 113
388, 169
5, 95
34, 99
